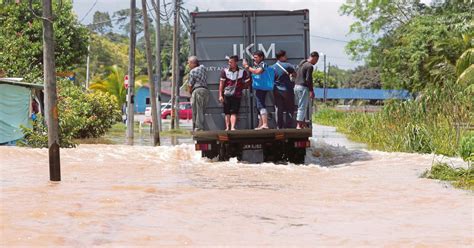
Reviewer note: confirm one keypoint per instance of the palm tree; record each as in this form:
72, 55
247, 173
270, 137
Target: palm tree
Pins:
112, 84
465, 68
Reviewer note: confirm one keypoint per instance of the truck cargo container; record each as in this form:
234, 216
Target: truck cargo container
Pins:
216, 35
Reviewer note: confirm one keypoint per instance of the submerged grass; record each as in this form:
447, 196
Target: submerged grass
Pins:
120, 127
459, 177
394, 131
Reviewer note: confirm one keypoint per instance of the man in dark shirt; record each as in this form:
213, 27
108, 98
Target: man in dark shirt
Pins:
232, 82
283, 91
304, 87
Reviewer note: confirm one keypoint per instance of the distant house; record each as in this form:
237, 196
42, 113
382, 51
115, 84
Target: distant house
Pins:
142, 96
18, 100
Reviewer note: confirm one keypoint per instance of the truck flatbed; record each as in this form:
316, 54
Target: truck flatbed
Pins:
289, 133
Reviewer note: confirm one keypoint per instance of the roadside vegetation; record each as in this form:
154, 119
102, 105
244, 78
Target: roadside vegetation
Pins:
459, 177
120, 128
83, 115
427, 50
86, 111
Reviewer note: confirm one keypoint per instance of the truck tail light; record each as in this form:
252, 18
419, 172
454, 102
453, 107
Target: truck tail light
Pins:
302, 144
203, 147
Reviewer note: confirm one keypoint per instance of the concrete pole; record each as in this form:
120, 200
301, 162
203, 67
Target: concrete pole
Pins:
131, 74
50, 92
154, 109
175, 62
156, 6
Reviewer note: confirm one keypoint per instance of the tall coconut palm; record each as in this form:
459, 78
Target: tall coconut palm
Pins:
112, 84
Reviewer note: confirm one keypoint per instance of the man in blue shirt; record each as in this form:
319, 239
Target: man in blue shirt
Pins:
283, 92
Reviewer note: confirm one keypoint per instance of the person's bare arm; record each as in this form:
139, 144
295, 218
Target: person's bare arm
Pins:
250, 69
221, 90
255, 71
190, 83
309, 80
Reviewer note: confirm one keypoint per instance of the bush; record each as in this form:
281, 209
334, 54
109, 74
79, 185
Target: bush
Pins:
81, 115
466, 148
459, 177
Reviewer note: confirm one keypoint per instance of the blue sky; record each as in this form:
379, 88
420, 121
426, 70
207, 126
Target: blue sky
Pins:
325, 20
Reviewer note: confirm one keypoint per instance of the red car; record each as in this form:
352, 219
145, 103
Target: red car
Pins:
185, 112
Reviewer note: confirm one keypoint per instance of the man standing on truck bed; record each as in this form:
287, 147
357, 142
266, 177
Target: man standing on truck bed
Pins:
260, 76
232, 82
304, 87
199, 92
283, 92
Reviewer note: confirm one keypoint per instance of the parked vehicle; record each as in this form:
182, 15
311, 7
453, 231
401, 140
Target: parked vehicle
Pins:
164, 107
148, 119
212, 40
184, 111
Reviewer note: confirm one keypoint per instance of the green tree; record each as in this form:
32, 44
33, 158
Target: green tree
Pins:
101, 23
375, 17
21, 53
112, 84
365, 77
417, 52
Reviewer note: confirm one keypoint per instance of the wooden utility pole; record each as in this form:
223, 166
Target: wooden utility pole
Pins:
156, 6
131, 74
175, 80
50, 92
154, 109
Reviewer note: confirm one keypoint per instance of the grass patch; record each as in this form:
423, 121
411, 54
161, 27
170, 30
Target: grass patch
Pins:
394, 129
120, 127
176, 132
458, 177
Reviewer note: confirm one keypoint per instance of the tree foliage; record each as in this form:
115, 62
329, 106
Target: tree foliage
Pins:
414, 45
365, 77
112, 84
429, 53
81, 115
21, 53
101, 23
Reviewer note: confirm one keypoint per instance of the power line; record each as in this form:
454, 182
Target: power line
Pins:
328, 38
150, 11
89, 11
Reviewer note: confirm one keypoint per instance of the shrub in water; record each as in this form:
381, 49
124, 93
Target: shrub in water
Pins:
81, 115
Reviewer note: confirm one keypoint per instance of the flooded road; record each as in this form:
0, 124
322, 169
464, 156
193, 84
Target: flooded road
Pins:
115, 195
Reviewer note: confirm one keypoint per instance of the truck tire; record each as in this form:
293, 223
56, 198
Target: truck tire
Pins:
209, 154
274, 153
223, 156
296, 155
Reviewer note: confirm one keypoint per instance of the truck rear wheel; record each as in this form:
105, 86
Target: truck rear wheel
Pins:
212, 153
296, 155
223, 156
209, 154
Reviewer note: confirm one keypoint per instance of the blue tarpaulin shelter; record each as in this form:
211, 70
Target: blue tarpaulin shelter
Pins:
15, 100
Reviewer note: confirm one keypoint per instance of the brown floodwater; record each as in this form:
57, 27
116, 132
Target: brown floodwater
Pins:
115, 195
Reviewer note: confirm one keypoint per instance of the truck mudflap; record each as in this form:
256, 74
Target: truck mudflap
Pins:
283, 145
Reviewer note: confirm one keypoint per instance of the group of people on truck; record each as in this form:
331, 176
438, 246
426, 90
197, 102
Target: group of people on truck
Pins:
291, 85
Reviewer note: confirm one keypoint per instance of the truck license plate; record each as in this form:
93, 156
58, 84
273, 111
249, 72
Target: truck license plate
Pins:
252, 146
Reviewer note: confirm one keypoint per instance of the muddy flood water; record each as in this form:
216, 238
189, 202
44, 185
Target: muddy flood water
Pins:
117, 195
